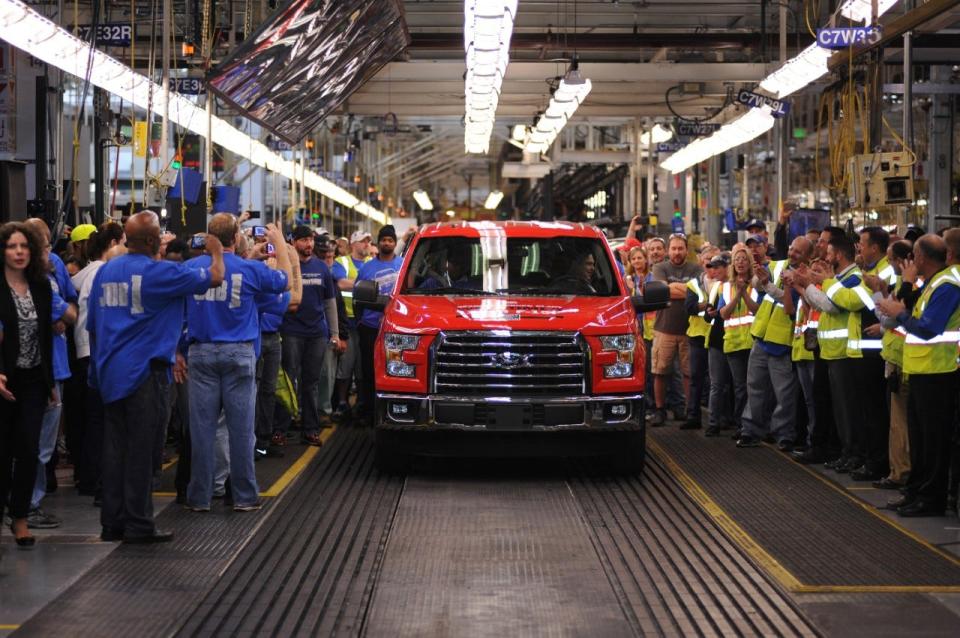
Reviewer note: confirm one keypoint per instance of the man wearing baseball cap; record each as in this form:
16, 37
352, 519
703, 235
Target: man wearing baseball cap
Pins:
345, 269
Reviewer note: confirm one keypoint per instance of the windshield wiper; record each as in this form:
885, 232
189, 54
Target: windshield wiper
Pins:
451, 290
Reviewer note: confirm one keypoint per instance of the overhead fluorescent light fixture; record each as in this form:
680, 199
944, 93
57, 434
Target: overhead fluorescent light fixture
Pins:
657, 135
423, 200
859, 10
307, 59
493, 200
568, 97
35, 34
807, 66
745, 128
487, 29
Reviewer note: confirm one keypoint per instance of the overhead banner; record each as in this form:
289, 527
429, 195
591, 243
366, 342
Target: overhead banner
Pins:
843, 37
779, 108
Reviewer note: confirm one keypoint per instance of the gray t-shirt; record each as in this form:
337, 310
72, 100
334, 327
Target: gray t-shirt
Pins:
673, 319
29, 329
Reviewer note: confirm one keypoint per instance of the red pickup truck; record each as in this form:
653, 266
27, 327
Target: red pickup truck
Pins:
510, 329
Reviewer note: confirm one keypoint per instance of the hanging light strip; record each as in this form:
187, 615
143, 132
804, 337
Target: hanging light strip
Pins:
658, 133
745, 128
423, 200
487, 28
568, 97
859, 10
807, 66
35, 34
493, 200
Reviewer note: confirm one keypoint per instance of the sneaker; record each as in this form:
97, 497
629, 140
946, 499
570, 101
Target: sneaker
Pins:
200, 509
259, 453
785, 446
342, 412
691, 424
748, 441
279, 439
38, 519
251, 507
712, 431
313, 439
658, 419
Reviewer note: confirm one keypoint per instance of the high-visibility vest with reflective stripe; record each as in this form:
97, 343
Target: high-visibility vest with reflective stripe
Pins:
884, 271
939, 354
698, 327
772, 323
736, 328
892, 340
347, 262
834, 343
807, 317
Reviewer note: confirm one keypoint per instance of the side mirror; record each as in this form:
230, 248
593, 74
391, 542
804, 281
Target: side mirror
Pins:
656, 296
366, 295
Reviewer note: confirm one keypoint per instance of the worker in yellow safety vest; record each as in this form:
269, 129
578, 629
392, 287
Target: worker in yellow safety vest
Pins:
697, 331
903, 288
737, 304
930, 361
770, 373
345, 270
841, 300
721, 405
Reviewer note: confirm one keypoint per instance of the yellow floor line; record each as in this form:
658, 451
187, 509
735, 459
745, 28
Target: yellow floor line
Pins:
9, 627
287, 477
299, 465
753, 549
736, 533
170, 463
889, 521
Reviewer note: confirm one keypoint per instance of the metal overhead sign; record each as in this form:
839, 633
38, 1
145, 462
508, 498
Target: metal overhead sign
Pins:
696, 129
188, 86
111, 34
779, 108
843, 37
669, 147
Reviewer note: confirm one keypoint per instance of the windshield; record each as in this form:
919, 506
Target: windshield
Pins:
534, 266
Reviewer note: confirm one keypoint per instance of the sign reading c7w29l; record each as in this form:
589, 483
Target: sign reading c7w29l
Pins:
779, 108
842, 37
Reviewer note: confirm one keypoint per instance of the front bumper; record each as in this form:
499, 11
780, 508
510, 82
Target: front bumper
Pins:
435, 412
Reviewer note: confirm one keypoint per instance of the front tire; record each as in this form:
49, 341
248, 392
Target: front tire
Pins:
631, 453
387, 453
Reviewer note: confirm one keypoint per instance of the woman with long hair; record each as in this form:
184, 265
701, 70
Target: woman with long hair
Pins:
737, 305
28, 311
638, 274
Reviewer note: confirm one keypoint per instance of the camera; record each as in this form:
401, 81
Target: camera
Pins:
259, 231
271, 251
198, 241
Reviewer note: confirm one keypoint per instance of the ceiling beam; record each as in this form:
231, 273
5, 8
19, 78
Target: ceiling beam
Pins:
420, 70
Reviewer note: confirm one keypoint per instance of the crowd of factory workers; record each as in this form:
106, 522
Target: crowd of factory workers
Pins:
836, 347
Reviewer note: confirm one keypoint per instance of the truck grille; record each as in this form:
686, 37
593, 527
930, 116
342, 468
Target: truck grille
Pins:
518, 363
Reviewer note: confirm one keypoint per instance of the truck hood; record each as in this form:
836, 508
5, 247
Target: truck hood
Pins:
427, 314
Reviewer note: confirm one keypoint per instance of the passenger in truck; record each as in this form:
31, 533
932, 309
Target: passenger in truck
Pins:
455, 275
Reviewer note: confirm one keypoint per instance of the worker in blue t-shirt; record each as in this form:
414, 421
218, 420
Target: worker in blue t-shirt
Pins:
305, 337
135, 317
223, 330
383, 269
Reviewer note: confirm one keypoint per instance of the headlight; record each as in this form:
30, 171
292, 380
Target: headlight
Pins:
401, 369
620, 370
395, 345
401, 342
618, 342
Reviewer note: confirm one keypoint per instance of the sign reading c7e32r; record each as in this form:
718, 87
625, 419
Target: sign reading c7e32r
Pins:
843, 37
779, 108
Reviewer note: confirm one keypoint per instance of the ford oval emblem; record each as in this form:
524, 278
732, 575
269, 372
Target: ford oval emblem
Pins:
511, 360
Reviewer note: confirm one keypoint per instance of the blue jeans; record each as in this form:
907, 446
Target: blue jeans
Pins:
48, 443
222, 375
